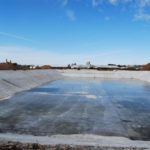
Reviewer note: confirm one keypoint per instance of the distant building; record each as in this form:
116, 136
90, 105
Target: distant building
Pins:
86, 66
106, 67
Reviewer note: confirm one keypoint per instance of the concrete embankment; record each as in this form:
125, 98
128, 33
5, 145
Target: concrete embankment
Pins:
12, 82
140, 75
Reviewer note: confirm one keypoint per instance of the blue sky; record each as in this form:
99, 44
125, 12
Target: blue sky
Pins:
65, 31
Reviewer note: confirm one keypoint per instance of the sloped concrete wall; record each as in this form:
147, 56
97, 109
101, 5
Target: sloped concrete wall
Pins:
16, 81
140, 75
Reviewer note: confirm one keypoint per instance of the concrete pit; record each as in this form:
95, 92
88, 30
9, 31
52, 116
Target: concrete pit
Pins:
80, 106
87, 108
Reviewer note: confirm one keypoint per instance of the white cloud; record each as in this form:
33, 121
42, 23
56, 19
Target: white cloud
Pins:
107, 18
96, 3
141, 16
26, 55
143, 3
71, 14
138, 7
113, 2
64, 2
15, 36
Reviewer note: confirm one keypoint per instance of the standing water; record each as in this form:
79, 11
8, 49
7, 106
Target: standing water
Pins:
80, 106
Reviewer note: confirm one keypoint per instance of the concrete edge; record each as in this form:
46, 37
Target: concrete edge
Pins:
78, 140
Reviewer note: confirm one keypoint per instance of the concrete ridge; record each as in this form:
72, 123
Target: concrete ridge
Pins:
76, 139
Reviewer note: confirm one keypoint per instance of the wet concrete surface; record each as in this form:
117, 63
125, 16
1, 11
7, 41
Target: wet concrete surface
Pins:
80, 106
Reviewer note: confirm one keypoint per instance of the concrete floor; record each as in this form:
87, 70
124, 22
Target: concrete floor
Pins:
80, 106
